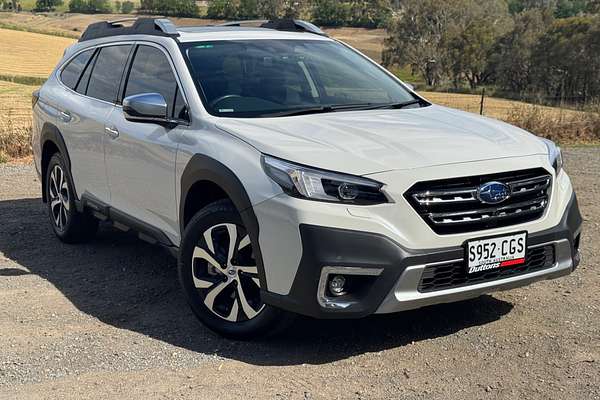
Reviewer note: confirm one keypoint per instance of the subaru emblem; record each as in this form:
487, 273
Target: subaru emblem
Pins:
493, 192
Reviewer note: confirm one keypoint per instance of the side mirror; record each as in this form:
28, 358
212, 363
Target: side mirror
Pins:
146, 107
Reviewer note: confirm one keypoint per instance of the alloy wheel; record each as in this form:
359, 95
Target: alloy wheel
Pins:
59, 198
225, 274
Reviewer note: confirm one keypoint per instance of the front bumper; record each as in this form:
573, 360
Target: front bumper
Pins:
395, 272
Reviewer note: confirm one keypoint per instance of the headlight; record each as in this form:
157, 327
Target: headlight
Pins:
313, 184
554, 155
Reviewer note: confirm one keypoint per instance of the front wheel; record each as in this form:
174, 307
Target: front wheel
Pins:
220, 278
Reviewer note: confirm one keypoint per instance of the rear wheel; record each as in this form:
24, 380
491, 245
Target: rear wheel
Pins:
219, 275
68, 224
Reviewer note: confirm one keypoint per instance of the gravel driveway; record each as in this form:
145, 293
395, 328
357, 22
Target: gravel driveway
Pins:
107, 320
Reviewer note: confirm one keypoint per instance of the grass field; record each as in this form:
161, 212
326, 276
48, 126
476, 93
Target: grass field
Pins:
492, 107
30, 54
15, 120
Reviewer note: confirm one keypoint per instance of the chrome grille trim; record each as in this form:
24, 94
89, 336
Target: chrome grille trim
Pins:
453, 206
489, 213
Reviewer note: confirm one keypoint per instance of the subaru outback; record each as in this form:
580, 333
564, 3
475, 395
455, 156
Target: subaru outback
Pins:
290, 174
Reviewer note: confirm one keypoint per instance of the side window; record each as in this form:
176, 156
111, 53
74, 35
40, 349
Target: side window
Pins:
107, 72
70, 74
82, 85
152, 73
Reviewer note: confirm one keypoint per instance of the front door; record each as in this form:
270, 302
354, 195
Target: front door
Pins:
140, 156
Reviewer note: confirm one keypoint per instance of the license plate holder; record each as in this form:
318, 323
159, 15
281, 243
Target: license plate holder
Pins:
493, 252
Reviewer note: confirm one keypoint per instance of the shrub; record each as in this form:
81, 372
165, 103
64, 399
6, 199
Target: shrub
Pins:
90, 6
330, 12
178, 8
127, 7
222, 9
47, 5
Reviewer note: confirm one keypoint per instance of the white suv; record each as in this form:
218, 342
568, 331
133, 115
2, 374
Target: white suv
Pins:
292, 174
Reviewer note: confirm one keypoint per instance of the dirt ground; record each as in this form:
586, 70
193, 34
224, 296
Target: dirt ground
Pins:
107, 320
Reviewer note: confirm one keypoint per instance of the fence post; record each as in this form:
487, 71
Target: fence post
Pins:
482, 102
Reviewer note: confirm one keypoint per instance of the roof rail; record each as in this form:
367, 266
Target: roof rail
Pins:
141, 26
291, 25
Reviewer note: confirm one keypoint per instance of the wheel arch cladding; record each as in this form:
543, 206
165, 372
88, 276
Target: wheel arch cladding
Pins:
210, 173
52, 141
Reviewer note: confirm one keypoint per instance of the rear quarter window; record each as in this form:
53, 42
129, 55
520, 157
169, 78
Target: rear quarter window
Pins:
71, 73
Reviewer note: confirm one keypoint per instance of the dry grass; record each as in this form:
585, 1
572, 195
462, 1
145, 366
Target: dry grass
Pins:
30, 54
492, 107
15, 139
563, 127
558, 124
15, 120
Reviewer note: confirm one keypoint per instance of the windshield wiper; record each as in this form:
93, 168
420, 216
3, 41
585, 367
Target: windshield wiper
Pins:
396, 106
319, 109
342, 107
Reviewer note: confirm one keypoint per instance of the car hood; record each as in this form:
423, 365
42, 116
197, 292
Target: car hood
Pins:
367, 142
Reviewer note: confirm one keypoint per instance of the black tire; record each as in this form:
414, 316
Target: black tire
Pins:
68, 224
236, 282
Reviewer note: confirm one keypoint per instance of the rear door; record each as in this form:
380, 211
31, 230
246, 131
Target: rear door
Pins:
140, 157
93, 77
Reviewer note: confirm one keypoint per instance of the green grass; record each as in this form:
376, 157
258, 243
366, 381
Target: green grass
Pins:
406, 75
23, 80
24, 28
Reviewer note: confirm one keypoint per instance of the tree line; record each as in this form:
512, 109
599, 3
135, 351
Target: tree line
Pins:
363, 13
519, 48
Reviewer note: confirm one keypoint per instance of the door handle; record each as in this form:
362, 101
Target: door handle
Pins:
65, 116
112, 132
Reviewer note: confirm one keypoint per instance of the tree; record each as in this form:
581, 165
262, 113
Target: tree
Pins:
47, 5
330, 12
127, 7
593, 7
178, 8
222, 9
566, 60
474, 38
570, 8
511, 56
248, 9
100, 6
78, 6
369, 13
419, 36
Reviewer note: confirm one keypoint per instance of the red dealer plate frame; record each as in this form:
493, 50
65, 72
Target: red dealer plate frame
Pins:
494, 252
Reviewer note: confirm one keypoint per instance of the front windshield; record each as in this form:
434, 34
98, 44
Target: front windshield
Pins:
262, 78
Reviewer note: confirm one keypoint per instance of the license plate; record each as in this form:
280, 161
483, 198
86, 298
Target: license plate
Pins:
496, 252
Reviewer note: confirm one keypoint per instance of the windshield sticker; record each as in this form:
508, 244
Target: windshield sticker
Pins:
226, 110
204, 46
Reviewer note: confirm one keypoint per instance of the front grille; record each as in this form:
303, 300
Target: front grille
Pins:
452, 205
454, 274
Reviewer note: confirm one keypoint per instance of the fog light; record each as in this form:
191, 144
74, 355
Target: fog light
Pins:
337, 285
